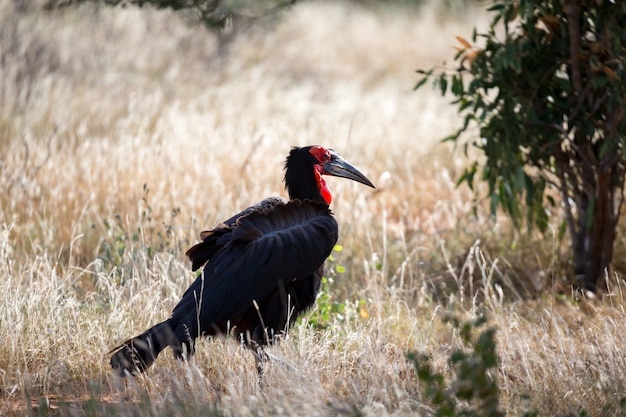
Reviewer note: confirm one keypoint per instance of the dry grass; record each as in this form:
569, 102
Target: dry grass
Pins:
123, 133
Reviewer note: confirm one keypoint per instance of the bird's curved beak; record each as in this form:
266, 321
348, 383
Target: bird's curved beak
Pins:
339, 167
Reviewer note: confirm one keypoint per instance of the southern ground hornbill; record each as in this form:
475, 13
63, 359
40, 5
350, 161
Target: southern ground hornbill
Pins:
262, 267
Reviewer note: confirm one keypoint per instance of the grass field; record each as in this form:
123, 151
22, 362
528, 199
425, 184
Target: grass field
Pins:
124, 133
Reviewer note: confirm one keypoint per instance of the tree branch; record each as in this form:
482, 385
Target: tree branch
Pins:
572, 10
569, 216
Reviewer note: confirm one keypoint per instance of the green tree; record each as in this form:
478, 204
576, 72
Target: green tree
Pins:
546, 91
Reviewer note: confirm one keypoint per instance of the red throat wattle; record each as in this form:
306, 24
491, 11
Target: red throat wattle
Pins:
323, 156
321, 185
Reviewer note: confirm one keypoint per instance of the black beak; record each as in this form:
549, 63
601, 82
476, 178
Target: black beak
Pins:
339, 167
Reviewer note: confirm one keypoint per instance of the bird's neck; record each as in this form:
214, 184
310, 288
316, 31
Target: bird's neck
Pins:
311, 192
308, 187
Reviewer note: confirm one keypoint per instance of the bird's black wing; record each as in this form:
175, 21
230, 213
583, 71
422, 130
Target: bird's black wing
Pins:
201, 252
262, 252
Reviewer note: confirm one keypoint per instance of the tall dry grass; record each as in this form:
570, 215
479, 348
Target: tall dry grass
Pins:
124, 132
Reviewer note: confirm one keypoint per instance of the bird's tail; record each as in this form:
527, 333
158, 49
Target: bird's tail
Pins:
137, 354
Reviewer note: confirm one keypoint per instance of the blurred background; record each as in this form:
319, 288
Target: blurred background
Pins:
126, 130
113, 116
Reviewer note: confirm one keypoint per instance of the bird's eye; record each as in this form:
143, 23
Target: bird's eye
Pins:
322, 155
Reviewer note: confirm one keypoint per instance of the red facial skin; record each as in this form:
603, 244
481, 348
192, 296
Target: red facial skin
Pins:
323, 156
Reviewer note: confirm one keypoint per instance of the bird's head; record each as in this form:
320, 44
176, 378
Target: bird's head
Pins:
305, 167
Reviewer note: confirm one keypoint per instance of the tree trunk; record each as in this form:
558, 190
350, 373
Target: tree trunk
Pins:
595, 234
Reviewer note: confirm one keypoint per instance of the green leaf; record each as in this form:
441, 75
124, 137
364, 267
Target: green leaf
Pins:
496, 7
426, 74
468, 176
457, 85
420, 83
443, 84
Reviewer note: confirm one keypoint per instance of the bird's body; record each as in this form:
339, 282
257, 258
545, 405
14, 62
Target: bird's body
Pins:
262, 267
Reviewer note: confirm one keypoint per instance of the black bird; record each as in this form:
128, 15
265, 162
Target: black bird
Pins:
262, 267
